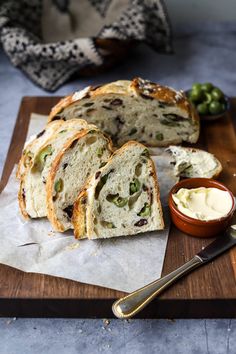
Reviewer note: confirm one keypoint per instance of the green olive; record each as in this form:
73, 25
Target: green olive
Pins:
207, 87
108, 224
215, 107
146, 210
217, 94
196, 86
44, 153
120, 202
100, 151
195, 95
117, 200
159, 136
41, 158
58, 186
207, 97
134, 186
202, 108
145, 153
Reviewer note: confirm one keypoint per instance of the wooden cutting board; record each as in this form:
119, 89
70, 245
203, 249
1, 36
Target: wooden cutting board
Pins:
208, 292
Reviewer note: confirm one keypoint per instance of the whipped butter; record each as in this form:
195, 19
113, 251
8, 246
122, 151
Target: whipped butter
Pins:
203, 203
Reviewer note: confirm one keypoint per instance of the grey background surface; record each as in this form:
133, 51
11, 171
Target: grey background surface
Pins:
193, 11
203, 53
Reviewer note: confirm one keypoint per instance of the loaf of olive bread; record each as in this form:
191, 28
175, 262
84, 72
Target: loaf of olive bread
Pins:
80, 158
139, 110
122, 198
191, 162
32, 193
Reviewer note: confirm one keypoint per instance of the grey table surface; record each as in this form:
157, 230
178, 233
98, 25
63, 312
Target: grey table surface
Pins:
202, 53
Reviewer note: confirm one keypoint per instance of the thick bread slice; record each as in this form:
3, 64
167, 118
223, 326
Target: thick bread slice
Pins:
32, 193
34, 144
139, 110
79, 159
191, 162
122, 198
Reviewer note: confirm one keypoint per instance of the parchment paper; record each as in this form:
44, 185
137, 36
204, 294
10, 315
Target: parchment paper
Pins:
124, 263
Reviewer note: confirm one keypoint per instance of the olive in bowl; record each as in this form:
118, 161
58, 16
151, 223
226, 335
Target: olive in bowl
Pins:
193, 224
210, 102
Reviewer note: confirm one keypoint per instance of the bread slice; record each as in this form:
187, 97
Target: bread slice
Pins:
80, 158
122, 198
34, 144
139, 110
32, 193
191, 162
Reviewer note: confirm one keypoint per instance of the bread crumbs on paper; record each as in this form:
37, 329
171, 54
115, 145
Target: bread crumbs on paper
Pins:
51, 233
73, 246
106, 322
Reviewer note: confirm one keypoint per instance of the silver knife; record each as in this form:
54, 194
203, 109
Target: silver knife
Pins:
131, 304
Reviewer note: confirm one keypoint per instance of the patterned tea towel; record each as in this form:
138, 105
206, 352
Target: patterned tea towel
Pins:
51, 40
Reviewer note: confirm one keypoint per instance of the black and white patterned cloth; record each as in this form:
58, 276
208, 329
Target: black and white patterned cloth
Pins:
51, 40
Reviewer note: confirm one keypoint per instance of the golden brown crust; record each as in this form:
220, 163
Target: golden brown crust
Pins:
21, 200
63, 103
141, 87
22, 161
79, 215
166, 95
57, 225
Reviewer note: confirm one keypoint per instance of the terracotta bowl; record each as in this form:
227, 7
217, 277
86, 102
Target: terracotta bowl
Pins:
194, 227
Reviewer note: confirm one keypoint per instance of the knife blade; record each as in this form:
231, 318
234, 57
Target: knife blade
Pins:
220, 245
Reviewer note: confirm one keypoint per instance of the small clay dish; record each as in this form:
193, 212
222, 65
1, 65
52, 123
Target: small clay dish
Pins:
195, 227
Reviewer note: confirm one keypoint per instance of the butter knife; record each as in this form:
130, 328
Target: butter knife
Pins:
134, 302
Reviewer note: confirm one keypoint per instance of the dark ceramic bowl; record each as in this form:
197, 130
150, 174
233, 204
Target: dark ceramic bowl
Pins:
195, 227
210, 117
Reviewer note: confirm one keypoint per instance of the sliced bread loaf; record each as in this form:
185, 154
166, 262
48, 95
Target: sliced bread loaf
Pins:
80, 158
32, 193
191, 162
139, 110
122, 198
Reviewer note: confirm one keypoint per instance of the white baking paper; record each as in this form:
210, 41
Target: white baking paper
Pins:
124, 263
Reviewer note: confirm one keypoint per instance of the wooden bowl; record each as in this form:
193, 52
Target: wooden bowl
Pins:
195, 227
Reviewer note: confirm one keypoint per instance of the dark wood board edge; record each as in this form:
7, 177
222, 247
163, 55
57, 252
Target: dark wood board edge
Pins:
77, 308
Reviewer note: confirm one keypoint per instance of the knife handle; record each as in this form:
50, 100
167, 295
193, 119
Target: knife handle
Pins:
134, 302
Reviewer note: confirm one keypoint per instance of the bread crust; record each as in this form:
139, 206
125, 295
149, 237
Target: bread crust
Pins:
21, 200
79, 215
57, 225
80, 212
137, 86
